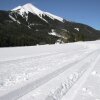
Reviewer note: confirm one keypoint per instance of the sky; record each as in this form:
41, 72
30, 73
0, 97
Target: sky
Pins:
82, 11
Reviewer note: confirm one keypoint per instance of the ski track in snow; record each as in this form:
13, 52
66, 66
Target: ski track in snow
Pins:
81, 58
65, 87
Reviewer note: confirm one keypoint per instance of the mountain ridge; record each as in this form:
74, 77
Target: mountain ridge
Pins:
31, 8
28, 25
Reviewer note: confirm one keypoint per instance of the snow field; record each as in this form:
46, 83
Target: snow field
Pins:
49, 72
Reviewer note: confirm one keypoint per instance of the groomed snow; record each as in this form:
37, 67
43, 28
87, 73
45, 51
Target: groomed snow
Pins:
51, 72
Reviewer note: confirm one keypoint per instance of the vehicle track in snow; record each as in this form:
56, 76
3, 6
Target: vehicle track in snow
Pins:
82, 73
15, 94
82, 80
26, 68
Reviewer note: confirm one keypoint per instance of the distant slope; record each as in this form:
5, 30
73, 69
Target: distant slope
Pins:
27, 25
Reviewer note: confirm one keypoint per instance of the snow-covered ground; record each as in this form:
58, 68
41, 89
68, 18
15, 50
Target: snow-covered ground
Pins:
51, 72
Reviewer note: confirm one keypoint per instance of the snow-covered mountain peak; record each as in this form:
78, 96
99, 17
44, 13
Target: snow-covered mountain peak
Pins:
31, 8
28, 8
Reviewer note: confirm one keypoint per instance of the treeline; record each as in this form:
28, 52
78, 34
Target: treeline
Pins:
32, 30
13, 34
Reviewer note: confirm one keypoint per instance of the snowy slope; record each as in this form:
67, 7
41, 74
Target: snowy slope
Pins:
31, 8
28, 8
51, 72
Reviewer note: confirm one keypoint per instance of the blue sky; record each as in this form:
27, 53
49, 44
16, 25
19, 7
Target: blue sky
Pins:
83, 11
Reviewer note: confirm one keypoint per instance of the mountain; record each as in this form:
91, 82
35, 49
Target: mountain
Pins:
27, 25
30, 8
